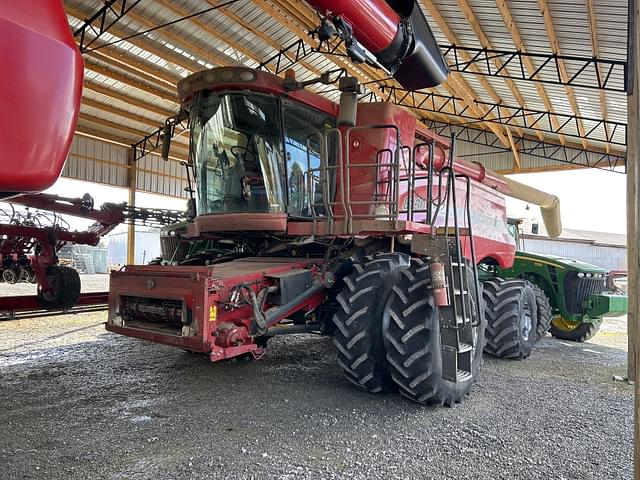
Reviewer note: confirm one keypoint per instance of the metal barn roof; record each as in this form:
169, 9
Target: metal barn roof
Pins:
534, 84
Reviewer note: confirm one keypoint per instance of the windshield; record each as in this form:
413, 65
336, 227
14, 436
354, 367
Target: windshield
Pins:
236, 149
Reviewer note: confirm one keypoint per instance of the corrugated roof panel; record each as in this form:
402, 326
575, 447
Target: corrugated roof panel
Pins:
186, 43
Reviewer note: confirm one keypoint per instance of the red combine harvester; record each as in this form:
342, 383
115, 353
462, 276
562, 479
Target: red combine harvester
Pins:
40, 93
312, 217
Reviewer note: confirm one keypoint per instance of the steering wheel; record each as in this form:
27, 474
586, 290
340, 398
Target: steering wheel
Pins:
241, 153
238, 150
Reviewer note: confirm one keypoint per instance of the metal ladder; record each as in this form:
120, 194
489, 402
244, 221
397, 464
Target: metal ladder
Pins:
461, 316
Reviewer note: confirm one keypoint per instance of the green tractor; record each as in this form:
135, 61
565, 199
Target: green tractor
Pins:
570, 295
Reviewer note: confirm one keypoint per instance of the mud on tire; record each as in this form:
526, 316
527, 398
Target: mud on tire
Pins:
511, 314
412, 338
358, 320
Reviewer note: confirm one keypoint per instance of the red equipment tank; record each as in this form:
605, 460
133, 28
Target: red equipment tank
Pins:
40, 93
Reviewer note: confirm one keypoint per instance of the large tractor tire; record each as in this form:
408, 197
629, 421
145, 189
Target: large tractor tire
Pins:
358, 320
65, 288
511, 318
574, 332
411, 329
544, 310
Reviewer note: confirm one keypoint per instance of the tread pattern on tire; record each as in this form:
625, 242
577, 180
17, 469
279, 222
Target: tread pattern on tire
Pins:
412, 339
69, 281
503, 309
358, 321
544, 311
582, 333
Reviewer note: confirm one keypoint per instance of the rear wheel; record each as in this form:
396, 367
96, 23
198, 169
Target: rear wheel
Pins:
358, 320
64, 283
574, 332
412, 338
511, 318
544, 310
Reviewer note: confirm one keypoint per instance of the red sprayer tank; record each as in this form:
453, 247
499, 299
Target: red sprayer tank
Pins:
40, 91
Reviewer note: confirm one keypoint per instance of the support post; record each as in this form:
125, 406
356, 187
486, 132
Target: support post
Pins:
131, 185
633, 185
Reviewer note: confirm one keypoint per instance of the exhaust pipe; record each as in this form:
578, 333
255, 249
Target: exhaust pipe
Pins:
393, 34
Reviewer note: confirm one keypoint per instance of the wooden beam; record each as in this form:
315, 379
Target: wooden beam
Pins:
144, 43
486, 43
564, 76
255, 30
136, 133
128, 99
205, 27
132, 82
150, 122
456, 88
114, 125
89, 102
211, 55
459, 84
132, 177
514, 149
595, 50
132, 63
86, 131
633, 217
531, 69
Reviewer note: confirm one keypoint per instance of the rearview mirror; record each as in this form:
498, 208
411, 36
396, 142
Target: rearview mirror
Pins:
166, 141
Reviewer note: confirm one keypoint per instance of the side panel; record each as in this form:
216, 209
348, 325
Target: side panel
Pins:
488, 219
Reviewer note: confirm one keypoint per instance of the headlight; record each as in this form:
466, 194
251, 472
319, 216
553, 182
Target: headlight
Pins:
589, 275
580, 274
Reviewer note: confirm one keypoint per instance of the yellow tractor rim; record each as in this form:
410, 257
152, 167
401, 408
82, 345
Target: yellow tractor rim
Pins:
562, 324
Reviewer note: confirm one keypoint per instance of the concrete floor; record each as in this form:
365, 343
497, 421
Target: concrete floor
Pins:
78, 402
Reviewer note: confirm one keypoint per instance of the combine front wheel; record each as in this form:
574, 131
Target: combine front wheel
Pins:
574, 332
358, 335
411, 329
64, 283
511, 318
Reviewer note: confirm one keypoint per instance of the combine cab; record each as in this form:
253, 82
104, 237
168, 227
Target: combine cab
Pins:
356, 221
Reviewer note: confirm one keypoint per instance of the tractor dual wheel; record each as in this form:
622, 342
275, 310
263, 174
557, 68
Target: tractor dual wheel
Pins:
574, 332
411, 328
511, 313
64, 283
544, 310
358, 334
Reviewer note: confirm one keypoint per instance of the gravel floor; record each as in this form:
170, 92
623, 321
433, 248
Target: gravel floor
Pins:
98, 282
78, 403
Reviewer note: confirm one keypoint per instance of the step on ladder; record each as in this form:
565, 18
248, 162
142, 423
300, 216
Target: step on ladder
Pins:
458, 319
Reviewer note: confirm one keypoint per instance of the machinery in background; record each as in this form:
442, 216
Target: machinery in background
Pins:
41, 84
30, 241
354, 220
572, 296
